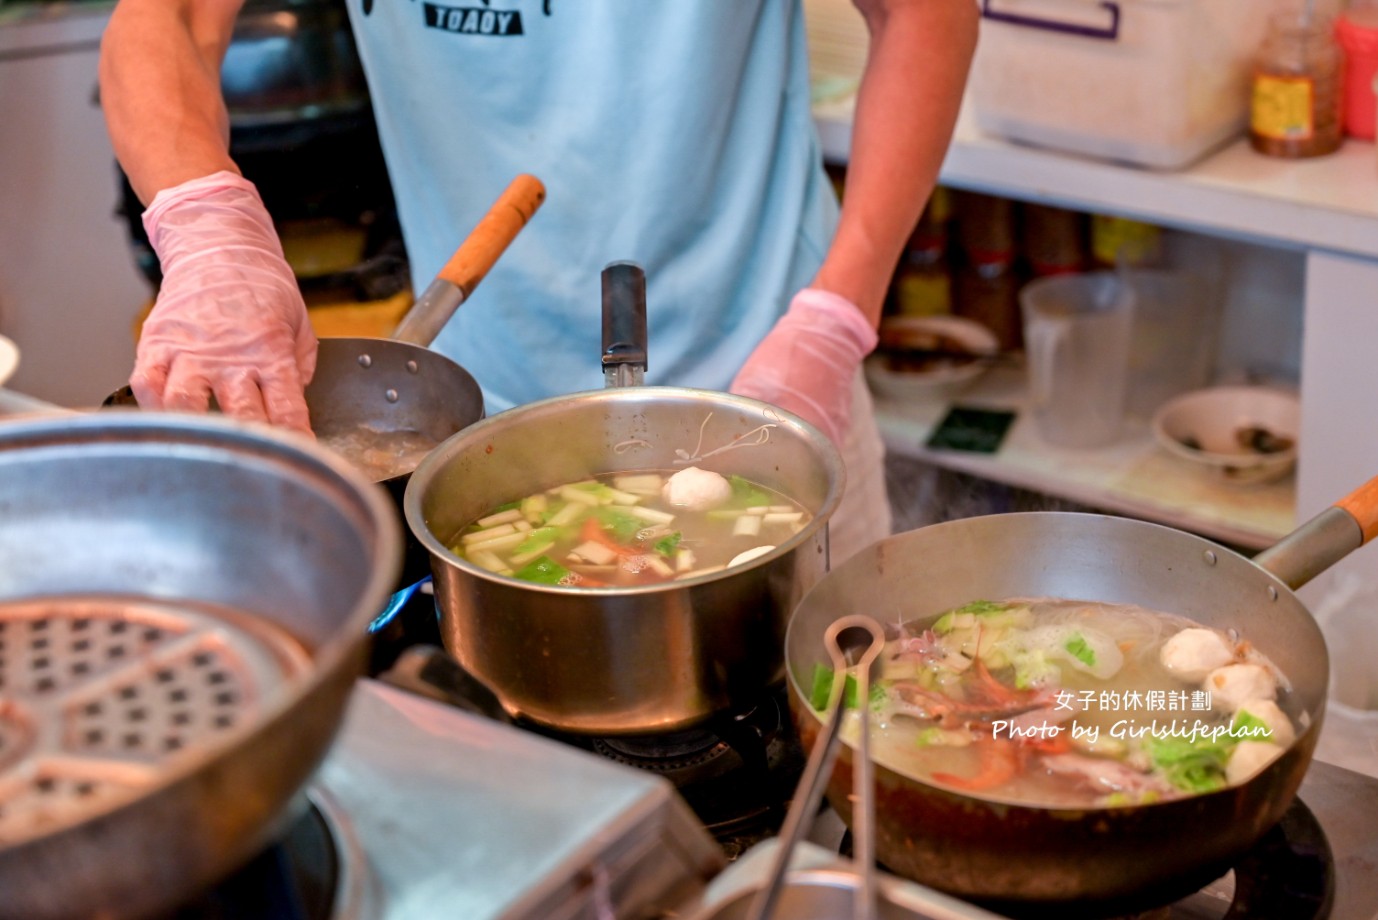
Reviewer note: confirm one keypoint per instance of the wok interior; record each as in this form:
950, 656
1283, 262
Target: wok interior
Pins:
1090, 557
516, 453
390, 386
145, 506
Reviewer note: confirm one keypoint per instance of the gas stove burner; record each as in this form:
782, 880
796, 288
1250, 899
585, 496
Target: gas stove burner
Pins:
674, 752
297, 878
664, 753
737, 772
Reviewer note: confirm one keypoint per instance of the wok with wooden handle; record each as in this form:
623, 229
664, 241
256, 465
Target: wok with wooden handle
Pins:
367, 388
1021, 859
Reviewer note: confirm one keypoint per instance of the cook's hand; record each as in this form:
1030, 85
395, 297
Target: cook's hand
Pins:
230, 319
806, 364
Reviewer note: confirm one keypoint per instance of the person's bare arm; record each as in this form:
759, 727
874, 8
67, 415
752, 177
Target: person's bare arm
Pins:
911, 89
229, 323
160, 90
907, 105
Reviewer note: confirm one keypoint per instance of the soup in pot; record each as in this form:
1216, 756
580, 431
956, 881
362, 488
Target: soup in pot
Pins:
1060, 703
380, 454
631, 528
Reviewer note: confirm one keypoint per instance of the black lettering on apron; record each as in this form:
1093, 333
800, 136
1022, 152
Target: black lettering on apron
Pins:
472, 20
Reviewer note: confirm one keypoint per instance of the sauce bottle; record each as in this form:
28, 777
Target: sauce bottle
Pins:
987, 285
1296, 106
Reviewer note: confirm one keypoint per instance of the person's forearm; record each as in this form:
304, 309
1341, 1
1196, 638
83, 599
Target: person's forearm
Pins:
160, 90
906, 107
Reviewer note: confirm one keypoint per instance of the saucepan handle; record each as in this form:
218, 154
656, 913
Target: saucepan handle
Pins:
1325, 539
624, 324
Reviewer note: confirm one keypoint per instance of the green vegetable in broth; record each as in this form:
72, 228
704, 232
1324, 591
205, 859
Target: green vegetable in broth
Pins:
636, 528
1061, 703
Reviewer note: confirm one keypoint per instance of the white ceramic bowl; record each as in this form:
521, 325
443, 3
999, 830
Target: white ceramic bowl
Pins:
935, 380
1242, 434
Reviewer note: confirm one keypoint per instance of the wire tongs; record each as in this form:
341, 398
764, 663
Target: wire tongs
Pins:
847, 634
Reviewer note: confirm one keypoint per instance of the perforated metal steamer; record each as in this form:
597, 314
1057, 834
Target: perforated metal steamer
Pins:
183, 610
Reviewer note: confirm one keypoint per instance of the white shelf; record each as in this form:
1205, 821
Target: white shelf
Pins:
1326, 208
1134, 476
1327, 203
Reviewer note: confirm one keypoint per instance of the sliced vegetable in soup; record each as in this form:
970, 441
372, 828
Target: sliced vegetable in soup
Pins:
631, 528
1058, 703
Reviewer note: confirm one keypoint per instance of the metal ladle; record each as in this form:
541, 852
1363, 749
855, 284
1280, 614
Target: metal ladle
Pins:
846, 634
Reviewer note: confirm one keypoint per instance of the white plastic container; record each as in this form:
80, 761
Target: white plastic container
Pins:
1077, 334
1155, 83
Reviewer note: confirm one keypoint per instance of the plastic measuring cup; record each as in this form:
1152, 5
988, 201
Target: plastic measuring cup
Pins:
1077, 331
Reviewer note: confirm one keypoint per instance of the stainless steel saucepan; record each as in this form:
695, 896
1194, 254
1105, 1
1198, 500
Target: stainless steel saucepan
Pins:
623, 661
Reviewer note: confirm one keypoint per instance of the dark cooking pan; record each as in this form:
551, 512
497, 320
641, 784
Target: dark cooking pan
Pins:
364, 386
1009, 854
367, 392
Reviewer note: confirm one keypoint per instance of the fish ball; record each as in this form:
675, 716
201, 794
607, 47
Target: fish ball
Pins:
1193, 653
1248, 758
696, 490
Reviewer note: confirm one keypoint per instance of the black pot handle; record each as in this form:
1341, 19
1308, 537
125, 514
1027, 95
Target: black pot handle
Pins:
1110, 32
624, 324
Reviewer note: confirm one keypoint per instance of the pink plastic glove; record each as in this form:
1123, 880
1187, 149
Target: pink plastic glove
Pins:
806, 364
230, 319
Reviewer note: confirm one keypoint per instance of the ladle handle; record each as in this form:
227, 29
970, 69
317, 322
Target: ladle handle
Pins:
1325, 539
868, 639
490, 237
863, 794
805, 804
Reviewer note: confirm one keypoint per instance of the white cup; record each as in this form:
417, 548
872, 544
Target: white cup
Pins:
1077, 331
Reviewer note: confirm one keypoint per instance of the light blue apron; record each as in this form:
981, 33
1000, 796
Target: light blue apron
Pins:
675, 133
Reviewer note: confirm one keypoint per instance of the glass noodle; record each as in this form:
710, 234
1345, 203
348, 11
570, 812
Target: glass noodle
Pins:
1062, 703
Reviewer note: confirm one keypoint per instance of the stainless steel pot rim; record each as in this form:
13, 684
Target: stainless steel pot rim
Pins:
121, 428
462, 440
1316, 714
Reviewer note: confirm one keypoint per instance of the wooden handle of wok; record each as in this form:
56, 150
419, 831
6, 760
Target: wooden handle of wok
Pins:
1325, 539
471, 261
493, 233
1362, 504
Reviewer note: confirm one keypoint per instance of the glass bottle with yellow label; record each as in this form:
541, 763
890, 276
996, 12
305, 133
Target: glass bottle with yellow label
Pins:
1296, 106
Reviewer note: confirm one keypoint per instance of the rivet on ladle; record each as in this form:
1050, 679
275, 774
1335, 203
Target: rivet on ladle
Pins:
366, 360
412, 368
391, 396
1272, 593
861, 634
1210, 557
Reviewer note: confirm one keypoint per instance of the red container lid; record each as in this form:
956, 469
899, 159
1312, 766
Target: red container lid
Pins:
1357, 30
